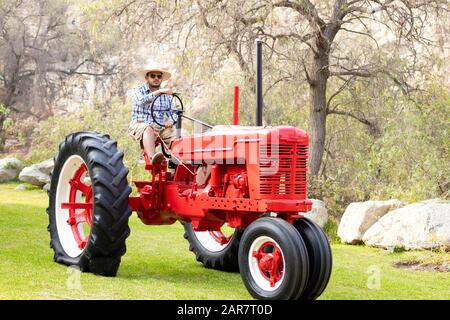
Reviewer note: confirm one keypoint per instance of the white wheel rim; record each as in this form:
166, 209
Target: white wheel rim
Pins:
64, 230
255, 270
209, 243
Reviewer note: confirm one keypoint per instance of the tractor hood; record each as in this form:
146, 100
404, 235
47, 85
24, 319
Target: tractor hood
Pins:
241, 143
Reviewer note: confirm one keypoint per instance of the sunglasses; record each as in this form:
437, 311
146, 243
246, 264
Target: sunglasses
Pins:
153, 76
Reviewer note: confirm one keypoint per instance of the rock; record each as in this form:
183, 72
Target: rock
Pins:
360, 216
21, 187
46, 187
422, 225
37, 174
46, 166
34, 176
318, 213
9, 169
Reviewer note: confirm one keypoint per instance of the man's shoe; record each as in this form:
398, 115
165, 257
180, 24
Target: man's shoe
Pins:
157, 158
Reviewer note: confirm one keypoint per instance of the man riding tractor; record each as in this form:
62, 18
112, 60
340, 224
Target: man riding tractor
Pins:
142, 126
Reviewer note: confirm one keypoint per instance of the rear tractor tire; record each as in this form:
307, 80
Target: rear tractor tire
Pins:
320, 258
214, 249
88, 204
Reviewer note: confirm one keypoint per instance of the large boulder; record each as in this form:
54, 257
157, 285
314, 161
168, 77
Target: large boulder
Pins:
37, 174
360, 216
9, 169
46, 166
423, 225
318, 213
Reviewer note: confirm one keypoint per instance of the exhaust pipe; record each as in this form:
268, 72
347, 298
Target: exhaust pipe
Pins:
259, 94
236, 106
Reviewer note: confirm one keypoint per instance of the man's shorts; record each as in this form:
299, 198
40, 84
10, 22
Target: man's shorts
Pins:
136, 131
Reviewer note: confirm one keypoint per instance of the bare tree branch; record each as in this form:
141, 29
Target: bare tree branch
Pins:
373, 128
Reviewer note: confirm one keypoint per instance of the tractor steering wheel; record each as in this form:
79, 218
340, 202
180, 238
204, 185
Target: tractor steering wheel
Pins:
175, 105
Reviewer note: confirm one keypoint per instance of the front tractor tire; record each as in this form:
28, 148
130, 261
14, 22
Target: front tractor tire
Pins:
273, 260
88, 204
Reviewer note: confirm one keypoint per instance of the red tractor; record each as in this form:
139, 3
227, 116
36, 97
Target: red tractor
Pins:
250, 179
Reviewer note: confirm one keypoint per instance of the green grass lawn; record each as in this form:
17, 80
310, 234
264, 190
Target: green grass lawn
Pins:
158, 265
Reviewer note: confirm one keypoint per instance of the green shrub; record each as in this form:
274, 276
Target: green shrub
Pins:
330, 228
408, 160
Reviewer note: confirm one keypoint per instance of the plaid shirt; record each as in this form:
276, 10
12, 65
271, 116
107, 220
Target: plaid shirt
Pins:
142, 99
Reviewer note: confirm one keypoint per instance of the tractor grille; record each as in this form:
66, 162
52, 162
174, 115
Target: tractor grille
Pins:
282, 169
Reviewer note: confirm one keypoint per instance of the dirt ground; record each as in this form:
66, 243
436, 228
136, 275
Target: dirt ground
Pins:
420, 266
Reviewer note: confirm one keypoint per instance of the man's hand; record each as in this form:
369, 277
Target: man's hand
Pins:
166, 91
168, 125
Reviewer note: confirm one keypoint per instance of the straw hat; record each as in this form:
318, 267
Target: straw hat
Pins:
151, 68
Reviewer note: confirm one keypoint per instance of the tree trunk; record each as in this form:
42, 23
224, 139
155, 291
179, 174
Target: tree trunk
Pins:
318, 111
2, 133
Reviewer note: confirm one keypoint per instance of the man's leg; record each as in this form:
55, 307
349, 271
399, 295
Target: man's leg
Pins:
148, 141
167, 135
